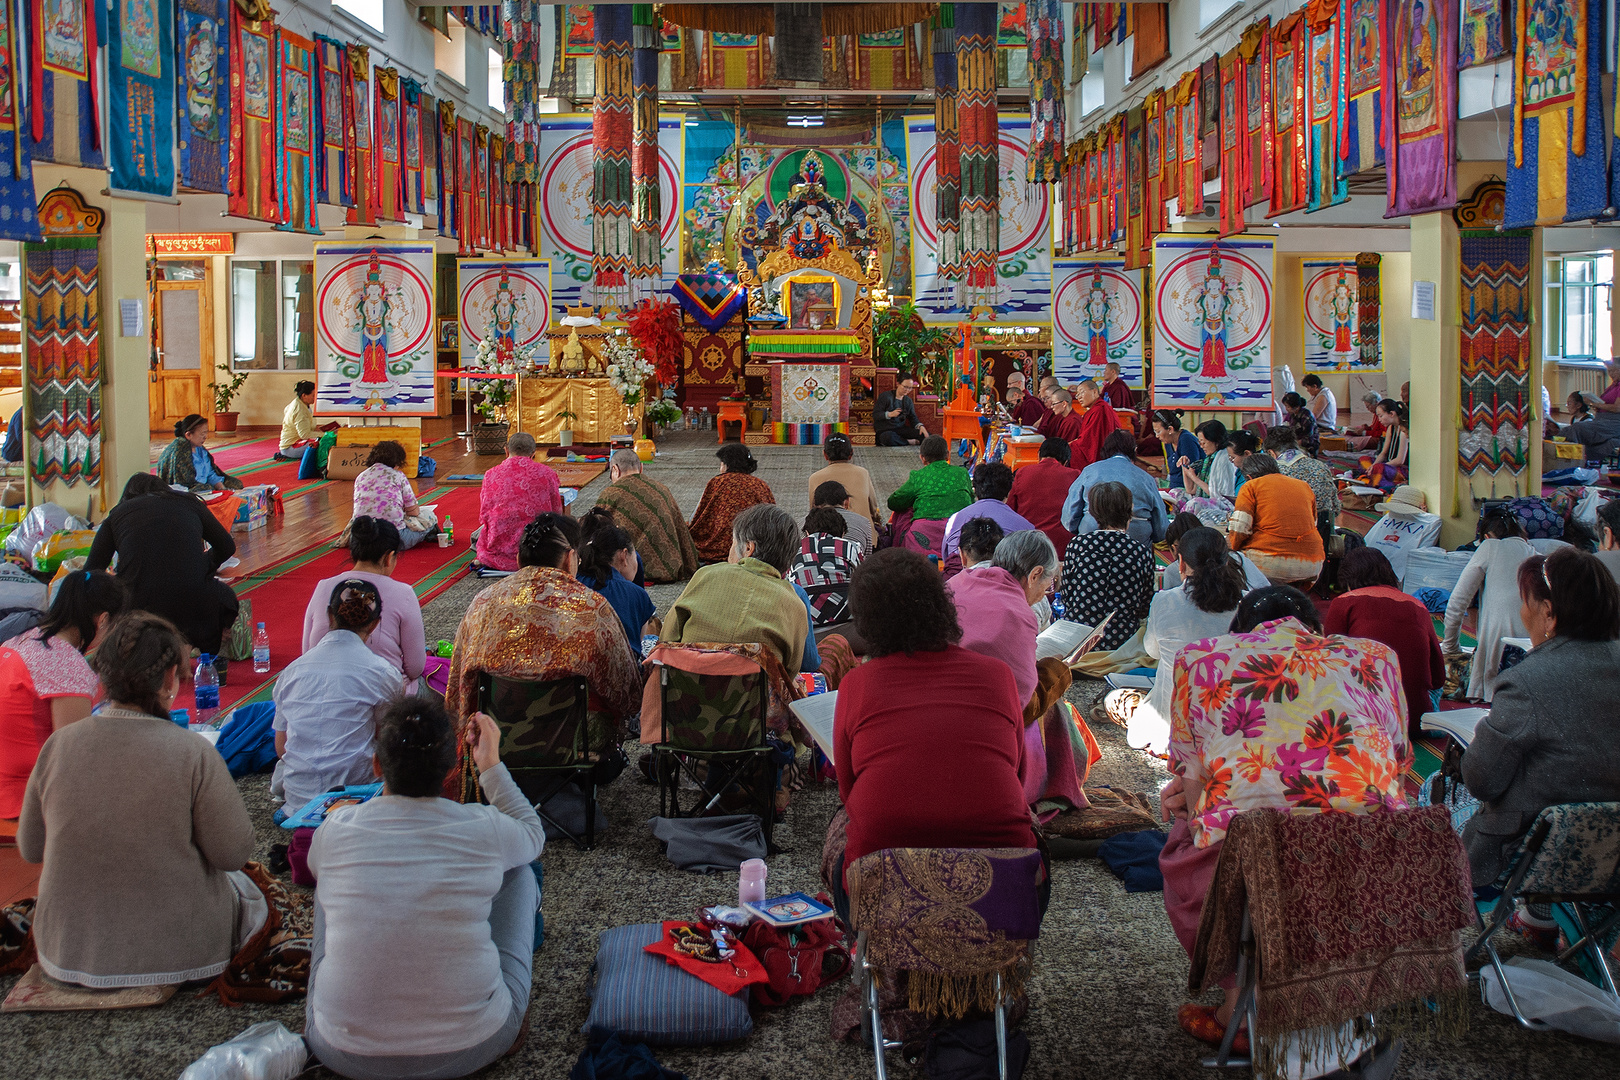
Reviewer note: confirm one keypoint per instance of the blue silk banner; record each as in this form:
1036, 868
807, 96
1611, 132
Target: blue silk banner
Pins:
140, 84
203, 108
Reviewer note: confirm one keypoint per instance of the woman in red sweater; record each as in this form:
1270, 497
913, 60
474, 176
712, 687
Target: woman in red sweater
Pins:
923, 706
1375, 607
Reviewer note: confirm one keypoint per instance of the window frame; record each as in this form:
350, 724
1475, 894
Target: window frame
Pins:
279, 331
1558, 288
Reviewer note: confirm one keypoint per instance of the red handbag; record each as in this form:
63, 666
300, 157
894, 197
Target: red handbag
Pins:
799, 959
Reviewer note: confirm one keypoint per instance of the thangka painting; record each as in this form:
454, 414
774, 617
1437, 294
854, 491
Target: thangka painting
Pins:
508, 299
1487, 32
1096, 320
565, 202
374, 345
1212, 310
1024, 267
813, 393
1332, 317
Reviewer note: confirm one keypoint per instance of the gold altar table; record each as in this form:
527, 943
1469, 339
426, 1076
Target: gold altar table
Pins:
599, 411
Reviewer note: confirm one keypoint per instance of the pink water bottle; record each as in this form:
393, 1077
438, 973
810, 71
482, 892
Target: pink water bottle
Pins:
751, 883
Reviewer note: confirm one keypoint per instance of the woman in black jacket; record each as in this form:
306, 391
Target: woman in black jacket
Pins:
168, 547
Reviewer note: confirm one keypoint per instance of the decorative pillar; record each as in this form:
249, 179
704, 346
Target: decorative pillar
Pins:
610, 145
1044, 32
1435, 377
947, 147
646, 251
981, 160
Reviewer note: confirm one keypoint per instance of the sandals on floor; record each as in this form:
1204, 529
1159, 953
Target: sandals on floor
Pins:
1199, 1022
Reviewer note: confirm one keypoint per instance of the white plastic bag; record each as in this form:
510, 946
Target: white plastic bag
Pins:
262, 1052
1586, 511
42, 522
1554, 998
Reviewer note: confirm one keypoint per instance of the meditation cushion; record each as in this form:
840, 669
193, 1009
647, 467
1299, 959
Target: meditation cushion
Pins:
642, 998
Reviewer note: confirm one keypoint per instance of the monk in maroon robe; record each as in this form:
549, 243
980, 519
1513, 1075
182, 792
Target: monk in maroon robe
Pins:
1100, 420
1062, 422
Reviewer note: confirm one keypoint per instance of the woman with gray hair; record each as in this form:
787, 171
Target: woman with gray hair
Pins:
993, 603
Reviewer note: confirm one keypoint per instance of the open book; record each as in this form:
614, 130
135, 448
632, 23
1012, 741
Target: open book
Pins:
1123, 681
1069, 641
1457, 723
816, 714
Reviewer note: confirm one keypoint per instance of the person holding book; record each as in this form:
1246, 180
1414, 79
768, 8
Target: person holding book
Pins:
923, 706
1109, 572
328, 700
422, 957
1549, 736
1280, 764
142, 833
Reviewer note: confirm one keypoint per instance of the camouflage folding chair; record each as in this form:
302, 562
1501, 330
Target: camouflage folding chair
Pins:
547, 741
713, 731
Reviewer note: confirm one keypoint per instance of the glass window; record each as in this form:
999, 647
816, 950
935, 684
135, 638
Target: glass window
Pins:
272, 314
369, 12
1210, 10
181, 269
497, 82
450, 51
297, 316
1579, 296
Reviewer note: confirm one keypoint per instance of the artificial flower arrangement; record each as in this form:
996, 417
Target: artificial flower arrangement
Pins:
627, 370
503, 356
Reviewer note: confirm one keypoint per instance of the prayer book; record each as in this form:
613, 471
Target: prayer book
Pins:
1457, 723
1069, 641
816, 714
312, 813
1130, 682
790, 910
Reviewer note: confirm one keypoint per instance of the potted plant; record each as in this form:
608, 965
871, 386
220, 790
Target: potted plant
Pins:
903, 341
225, 391
662, 413
565, 437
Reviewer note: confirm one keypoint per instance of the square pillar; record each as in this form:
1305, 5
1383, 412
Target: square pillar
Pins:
1436, 370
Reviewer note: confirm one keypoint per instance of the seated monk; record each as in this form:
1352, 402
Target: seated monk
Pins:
1061, 421
1284, 759
513, 494
923, 708
141, 830
541, 624
734, 490
746, 600
1100, 421
1113, 388
646, 510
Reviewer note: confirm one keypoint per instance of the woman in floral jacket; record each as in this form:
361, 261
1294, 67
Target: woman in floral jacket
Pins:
1272, 715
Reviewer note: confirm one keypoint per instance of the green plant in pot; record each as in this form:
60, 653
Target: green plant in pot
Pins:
489, 437
225, 391
565, 437
663, 413
902, 340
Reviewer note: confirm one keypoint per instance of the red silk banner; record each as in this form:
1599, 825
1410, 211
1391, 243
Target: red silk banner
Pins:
1288, 189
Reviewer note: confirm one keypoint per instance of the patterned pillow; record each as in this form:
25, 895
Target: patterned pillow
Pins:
644, 999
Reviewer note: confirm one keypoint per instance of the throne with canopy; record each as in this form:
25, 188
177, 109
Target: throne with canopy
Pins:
818, 343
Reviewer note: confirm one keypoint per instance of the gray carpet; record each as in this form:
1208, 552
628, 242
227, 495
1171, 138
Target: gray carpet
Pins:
1109, 975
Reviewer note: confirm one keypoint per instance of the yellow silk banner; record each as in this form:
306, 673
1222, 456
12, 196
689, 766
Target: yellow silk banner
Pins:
598, 410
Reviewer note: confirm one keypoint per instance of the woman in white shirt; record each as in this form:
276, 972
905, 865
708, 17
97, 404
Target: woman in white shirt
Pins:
423, 952
1201, 607
1493, 574
1323, 405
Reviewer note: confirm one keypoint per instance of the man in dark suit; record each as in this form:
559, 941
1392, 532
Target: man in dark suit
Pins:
894, 417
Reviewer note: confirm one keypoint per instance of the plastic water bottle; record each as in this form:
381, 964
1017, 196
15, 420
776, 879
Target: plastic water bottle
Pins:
450, 529
751, 881
265, 1051
261, 650
1058, 611
708, 421
206, 680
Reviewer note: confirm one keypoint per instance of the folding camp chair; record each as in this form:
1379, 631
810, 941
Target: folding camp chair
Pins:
908, 932
1571, 860
713, 732
547, 742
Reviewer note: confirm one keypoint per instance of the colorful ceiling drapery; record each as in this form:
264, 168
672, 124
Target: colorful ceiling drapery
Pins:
981, 154
947, 147
1361, 121
1045, 34
647, 262
61, 316
1325, 48
1259, 164
1288, 188
611, 131
202, 67
295, 133
336, 144
140, 97
253, 129
363, 208
1556, 169
1420, 112
18, 217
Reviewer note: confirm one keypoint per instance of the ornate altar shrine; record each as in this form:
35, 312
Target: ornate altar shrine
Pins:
574, 381
813, 351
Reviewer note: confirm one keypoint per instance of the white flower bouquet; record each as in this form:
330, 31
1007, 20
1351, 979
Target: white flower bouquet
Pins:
627, 370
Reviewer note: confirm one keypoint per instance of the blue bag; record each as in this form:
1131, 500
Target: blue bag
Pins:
426, 467
246, 742
307, 468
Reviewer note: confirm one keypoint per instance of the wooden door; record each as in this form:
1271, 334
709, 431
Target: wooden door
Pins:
184, 324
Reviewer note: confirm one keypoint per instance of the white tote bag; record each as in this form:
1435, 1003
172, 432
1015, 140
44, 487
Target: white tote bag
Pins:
1554, 998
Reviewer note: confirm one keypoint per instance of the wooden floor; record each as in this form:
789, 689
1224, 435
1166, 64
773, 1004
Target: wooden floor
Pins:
325, 511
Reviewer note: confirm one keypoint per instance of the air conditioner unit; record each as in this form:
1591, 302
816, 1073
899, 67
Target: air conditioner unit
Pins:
1205, 212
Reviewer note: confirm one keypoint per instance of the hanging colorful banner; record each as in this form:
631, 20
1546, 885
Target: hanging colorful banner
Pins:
947, 148
390, 170
63, 97
1157, 220
375, 333
1259, 164
1496, 406
1045, 21
1118, 207
362, 182
1096, 229
1190, 192
1138, 237
1325, 84
332, 95
140, 81
203, 105
1557, 169
469, 230
445, 126
1212, 312
981, 207
253, 128
1234, 143
295, 133
521, 72
1369, 301
411, 133
19, 219
1097, 314
1361, 119
500, 208
61, 317
508, 300
1024, 262
482, 201
612, 131
1288, 188
1420, 109
1487, 32
1170, 184
1332, 315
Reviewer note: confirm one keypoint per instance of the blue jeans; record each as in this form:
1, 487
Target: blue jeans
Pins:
409, 538
512, 923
